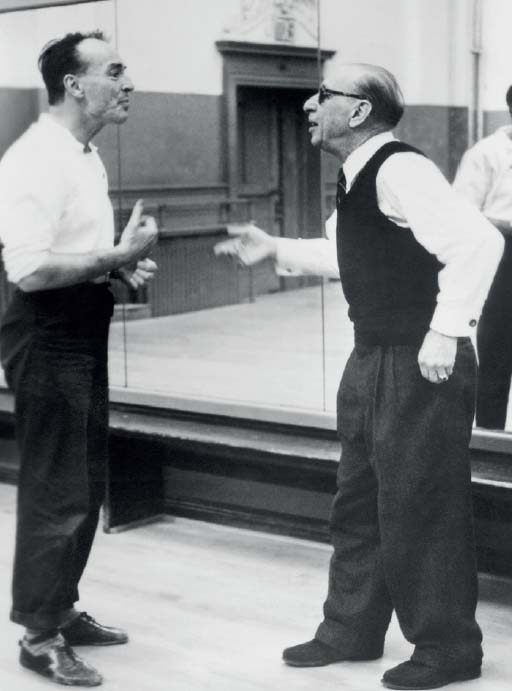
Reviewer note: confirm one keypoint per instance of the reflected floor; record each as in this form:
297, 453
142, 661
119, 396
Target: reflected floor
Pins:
267, 352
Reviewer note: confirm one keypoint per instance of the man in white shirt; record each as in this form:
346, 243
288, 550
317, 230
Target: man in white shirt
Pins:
57, 228
415, 263
484, 177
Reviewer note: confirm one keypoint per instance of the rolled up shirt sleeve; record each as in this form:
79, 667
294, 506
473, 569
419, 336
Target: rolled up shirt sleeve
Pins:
450, 228
28, 219
316, 256
26, 233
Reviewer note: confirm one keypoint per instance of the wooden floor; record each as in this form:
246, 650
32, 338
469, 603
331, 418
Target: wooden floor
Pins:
209, 608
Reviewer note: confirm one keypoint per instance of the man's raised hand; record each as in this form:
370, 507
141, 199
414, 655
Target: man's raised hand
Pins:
139, 235
248, 243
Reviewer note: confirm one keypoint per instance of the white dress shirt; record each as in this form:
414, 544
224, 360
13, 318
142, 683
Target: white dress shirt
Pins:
53, 198
484, 176
413, 193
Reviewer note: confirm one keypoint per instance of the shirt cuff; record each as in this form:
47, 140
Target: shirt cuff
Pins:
451, 322
289, 257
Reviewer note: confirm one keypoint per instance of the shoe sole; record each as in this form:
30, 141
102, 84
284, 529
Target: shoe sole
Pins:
464, 676
291, 663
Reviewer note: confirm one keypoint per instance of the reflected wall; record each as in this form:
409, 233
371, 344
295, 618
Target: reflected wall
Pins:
217, 134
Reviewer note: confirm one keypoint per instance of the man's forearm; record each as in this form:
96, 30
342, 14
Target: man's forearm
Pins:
314, 256
61, 270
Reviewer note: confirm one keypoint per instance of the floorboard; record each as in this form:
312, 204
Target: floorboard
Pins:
209, 608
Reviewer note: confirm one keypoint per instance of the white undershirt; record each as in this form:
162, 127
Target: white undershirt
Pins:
53, 198
412, 192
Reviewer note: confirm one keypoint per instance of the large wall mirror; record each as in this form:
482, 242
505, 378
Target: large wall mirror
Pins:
217, 135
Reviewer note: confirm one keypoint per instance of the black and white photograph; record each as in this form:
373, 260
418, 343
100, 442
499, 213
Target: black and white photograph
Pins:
255, 345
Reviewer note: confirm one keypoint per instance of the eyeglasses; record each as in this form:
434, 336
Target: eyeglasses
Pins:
324, 93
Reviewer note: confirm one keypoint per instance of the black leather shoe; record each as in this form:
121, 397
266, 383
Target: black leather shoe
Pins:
61, 664
415, 675
84, 630
315, 653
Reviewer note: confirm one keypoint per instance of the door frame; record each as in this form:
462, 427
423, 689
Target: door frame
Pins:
261, 65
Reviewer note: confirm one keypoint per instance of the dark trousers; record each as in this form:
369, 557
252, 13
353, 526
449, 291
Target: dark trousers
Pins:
401, 520
494, 343
54, 351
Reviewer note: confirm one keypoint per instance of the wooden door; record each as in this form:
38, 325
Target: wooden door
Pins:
278, 170
300, 178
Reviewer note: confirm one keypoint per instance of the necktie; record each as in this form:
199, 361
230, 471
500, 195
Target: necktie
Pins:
341, 188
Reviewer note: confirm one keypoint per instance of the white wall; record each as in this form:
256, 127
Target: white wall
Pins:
23, 34
169, 45
497, 53
425, 43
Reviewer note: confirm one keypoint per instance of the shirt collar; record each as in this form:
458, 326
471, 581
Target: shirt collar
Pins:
61, 134
360, 157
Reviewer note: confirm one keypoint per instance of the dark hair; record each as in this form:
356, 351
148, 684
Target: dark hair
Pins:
381, 89
508, 97
60, 57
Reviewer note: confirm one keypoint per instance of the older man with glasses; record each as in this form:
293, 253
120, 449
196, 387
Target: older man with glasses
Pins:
416, 263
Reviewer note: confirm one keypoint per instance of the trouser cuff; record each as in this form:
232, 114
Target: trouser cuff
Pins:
43, 621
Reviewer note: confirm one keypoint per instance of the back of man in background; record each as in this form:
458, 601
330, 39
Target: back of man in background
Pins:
57, 228
484, 177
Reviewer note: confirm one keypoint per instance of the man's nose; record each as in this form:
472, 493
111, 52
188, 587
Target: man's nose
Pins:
127, 83
311, 104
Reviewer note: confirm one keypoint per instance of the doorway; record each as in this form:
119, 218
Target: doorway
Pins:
278, 171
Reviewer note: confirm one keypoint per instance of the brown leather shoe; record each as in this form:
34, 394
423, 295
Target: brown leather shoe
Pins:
84, 630
315, 653
61, 664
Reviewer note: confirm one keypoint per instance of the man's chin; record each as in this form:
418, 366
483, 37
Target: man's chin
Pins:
315, 139
118, 118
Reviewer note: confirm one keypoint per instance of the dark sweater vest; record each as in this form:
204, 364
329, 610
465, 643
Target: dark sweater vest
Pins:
390, 281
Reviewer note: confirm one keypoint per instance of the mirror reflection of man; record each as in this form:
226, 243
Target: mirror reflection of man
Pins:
415, 262
484, 177
57, 228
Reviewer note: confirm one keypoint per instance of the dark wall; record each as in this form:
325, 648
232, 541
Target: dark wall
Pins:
169, 139
441, 132
18, 108
494, 119
178, 139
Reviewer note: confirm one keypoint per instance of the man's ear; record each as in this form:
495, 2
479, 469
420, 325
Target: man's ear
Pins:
360, 113
72, 86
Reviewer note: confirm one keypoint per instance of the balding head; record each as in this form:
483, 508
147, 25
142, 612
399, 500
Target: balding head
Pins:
62, 56
378, 86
